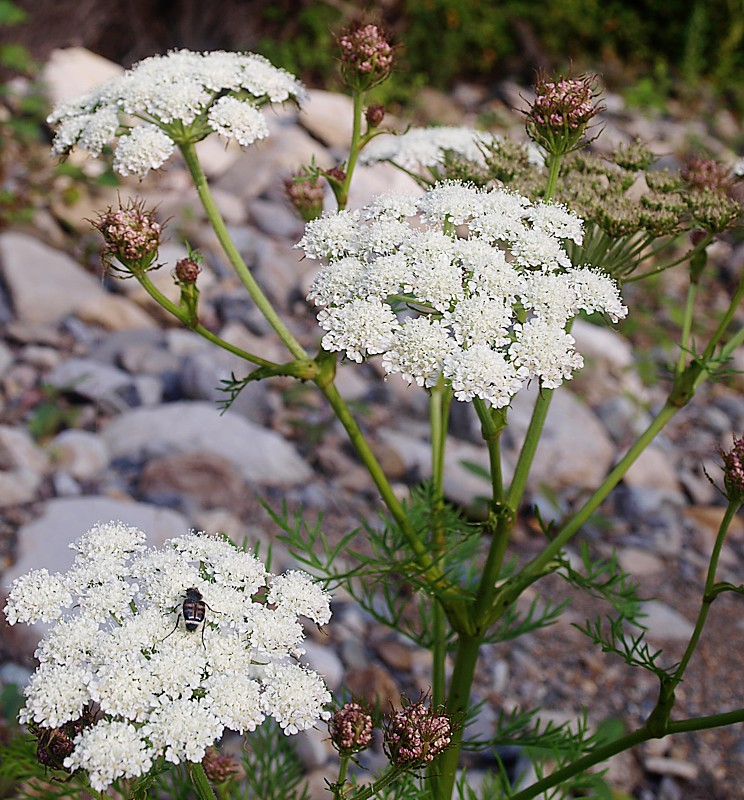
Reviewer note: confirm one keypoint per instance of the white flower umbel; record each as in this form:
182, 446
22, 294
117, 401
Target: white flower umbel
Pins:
120, 660
426, 147
166, 101
471, 286
420, 149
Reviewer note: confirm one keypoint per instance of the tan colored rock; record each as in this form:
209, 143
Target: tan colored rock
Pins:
73, 71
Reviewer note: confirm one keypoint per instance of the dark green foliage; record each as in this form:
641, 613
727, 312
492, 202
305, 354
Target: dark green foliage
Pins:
646, 44
273, 771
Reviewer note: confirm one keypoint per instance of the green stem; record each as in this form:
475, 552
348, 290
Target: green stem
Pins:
342, 196
201, 782
343, 766
439, 404
236, 260
684, 339
177, 312
709, 594
529, 448
555, 168
466, 657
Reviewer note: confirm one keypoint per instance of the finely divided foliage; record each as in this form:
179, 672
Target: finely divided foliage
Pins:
467, 285
162, 691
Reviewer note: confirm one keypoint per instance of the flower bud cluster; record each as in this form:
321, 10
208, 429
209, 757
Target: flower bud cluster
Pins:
172, 647
131, 237
563, 107
305, 193
416, 735
351, 729
733, 471
366, 56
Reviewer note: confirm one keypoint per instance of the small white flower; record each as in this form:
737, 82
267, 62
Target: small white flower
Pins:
538, 249
331, 236
558, 221
546, 351
360, 328
296, 592
482, 372
338, 282
233, 118
451, 202
294, 696
480, 318
173, 96
418, 351
426, 147
598, 292
55, 694
37, 596
183, 729
145, 148
391, 206
236, 700
110, 750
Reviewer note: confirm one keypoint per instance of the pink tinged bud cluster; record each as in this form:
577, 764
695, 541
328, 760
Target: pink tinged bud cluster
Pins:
120, 646
486, 312
351, 729
416, 736
561, 111
166, 101
131, 236
733, 471
366, 56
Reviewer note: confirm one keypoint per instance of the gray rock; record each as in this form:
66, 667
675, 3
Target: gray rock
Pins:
73, 71
663, 622
328, 116
655, 467
106, 385
22, 466
186, 427
82, 454
6, 358
276, 219
461, 485
45, 284
325, 661
574, 449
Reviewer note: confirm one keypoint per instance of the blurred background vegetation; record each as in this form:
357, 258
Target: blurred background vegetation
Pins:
687, 49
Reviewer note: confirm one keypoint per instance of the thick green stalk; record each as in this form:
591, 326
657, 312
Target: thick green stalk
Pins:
236, 260
201, 782
684, 338
585, 762
177, 312
439, 403
708, 592
466, 657
342, 196
529, 448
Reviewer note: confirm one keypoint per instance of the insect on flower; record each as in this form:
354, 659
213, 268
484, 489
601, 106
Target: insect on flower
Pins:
193, 611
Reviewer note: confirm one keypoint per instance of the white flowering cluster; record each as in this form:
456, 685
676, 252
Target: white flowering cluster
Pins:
469, 285
120, 647
426, 147
167, 100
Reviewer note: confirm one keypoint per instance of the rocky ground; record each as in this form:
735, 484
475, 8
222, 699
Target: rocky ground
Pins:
109, 411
